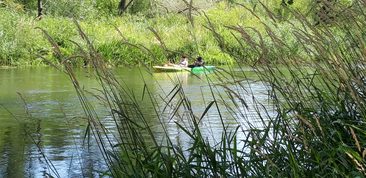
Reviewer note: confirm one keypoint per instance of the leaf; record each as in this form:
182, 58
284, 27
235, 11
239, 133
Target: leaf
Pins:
206, 110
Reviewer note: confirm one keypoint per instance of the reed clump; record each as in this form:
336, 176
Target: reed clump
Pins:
313, 124
320, 122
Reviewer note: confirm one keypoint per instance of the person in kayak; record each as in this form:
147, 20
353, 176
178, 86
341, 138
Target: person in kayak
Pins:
182, 63
198, 63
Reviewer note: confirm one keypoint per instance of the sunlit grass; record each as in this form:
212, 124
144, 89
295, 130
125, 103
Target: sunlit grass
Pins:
175, 30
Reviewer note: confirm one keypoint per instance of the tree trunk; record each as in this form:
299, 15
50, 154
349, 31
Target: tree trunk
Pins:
121, 6
39, 9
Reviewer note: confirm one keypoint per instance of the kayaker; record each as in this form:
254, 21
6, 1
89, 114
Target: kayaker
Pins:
198, 63
182, 63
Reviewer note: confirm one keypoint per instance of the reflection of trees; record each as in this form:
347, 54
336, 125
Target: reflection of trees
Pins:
12, 160
20, 156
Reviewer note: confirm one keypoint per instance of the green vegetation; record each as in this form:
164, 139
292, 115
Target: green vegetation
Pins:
310, 56
314, 128
160, 28
23, 44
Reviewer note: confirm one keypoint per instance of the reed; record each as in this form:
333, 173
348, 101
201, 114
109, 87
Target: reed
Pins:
314, 125
319, 102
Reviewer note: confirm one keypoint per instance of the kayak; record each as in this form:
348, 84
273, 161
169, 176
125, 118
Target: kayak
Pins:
171, 68
195, 70
198, 70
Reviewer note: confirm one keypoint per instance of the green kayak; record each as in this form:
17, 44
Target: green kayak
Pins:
195, 70
199, 70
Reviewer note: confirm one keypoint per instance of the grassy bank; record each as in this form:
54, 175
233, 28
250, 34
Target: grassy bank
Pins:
163, 35
315, 126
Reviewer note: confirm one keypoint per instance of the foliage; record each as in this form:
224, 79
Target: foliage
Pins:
177, 32
141, 6
70, 8
170, 27
107, 7
135, 29
19, 45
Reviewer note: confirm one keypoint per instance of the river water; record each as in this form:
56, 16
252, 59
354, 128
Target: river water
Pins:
42, 125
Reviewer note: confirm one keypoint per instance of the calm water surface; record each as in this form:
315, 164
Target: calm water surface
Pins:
43, 133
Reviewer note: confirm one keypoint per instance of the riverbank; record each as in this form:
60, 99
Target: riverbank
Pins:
140, 39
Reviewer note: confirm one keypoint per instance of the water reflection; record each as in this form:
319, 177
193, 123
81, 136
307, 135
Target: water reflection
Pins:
54, 129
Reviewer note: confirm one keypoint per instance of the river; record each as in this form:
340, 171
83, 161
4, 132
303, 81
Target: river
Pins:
42, 125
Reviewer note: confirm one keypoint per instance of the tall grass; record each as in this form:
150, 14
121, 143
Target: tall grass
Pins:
315, 126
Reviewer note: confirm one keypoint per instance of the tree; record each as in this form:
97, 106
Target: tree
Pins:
122, 6
39, 9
